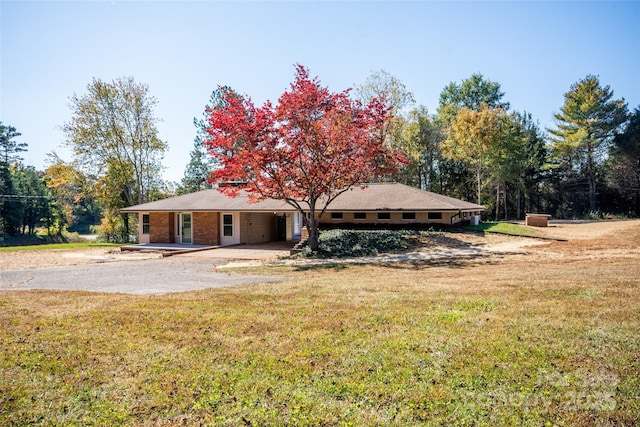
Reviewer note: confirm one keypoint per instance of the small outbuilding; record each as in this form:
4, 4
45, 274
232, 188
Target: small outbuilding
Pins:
537, 220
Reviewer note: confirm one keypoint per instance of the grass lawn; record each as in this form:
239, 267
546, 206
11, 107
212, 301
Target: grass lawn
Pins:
550, 338
505, 228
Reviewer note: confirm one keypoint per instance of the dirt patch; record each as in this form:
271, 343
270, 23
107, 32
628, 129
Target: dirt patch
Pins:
585, 230
24, 259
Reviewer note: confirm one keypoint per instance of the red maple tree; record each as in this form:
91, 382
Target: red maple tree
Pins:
307, 150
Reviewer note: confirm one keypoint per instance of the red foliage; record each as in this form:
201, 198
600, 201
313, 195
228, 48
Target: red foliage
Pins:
312, 146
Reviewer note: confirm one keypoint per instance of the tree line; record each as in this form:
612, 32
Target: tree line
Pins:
473, 147
116, 163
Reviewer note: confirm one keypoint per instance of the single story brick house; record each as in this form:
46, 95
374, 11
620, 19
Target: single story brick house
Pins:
209, 217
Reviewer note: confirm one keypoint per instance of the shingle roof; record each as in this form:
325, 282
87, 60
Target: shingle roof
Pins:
394, 196
209, 200
381, 197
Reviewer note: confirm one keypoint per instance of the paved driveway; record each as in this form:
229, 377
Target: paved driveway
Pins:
152, 276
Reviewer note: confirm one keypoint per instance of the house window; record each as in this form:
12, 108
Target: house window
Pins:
435, 215
145, 223
384, 215
409, 216
227, 225
336, 215
359, 215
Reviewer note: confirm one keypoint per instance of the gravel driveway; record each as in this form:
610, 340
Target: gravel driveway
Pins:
151, 276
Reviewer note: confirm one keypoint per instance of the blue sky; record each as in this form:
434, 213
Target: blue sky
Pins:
185, 49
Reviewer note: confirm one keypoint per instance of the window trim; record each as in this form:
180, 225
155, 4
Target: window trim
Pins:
337, 216
385, 214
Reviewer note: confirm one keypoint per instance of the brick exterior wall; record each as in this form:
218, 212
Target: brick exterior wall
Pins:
162, 227
206, 228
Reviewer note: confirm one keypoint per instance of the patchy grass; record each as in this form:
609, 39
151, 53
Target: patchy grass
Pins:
524, 341
505, 228
56, 246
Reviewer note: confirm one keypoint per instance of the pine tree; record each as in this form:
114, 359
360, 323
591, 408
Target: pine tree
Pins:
197, 171
9, 149
200, 164
586, 125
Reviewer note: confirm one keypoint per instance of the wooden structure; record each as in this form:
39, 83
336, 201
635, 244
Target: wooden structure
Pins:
537, 220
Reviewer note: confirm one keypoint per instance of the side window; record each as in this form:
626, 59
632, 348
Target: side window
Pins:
384, 215
336, 215
435, 215
227, 222
360, 215
145, 223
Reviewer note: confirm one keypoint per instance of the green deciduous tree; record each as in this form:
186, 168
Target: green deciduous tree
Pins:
420, 142
76, 207
457, 177
113, 136
471, 94
516, 166
33, 204
473, 138
585, 127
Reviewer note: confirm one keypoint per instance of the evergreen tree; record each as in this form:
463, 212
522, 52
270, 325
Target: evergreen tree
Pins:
10, 202
197, 171
9, 220
516, 167
9, 148
200, 164
585, 128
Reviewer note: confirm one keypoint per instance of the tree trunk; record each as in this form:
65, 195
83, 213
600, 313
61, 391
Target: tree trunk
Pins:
497, 201
506, 213
591, 178
314, 241
125, 221
313, 228
479, 180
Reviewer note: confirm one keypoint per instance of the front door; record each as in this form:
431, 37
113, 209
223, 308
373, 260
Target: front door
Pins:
184, 228
229, 232
281, 228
